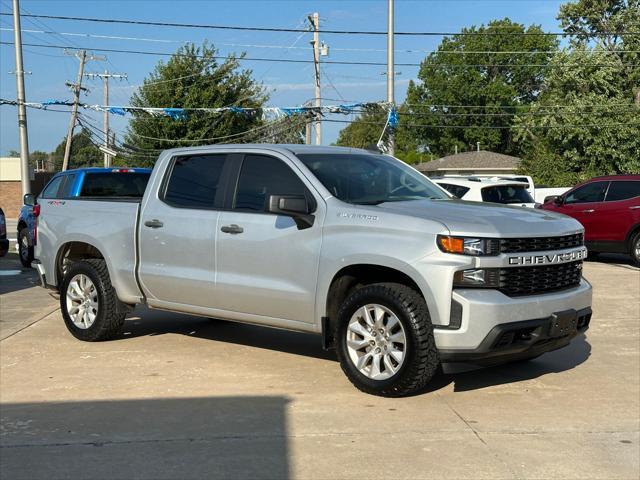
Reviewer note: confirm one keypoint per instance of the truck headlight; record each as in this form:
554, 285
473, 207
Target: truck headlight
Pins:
477, 277
469, 245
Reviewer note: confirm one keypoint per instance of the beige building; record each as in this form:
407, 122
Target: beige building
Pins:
470, 163
11, 186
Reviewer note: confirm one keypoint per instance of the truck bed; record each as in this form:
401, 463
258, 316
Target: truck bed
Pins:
107, 223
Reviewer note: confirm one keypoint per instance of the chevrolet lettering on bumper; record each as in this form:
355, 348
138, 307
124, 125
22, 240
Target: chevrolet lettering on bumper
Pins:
549, 258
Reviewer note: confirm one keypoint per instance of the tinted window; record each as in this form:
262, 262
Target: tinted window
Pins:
370, 179
457, 190
67, 185
592, 192
623, 190
262, 176
195, 181
114, 184
506, 194
51, 190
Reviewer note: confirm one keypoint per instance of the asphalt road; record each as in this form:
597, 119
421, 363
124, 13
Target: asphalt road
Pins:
187, 397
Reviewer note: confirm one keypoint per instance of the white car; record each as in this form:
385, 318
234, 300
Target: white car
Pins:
478, 189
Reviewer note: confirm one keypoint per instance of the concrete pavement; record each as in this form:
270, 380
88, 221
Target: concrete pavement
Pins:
187, 397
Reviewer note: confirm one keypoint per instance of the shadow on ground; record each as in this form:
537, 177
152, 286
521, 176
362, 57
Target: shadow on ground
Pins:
219, 437
613, 258
463, 377
13, 276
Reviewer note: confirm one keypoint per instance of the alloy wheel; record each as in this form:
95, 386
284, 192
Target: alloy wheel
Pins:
82, 301
376, 341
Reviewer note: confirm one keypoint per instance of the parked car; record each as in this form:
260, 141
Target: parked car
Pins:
538, 192
477, 189
82, 182
4, 242
356, 247
609, 209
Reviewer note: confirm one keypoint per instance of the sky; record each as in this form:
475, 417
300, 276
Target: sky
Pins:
288, 84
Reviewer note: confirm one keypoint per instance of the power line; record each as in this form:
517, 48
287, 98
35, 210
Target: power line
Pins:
329, 62
333, 49
280, 29
499, 127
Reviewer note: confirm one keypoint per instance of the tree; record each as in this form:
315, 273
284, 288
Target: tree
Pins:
365, 130
474, 81
585, 122
193, 78
612, 25
83, 152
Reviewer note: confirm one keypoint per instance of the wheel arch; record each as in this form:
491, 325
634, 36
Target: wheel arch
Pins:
357, 275
74, 251
635, 229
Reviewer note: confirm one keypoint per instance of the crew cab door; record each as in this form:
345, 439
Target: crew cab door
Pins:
620, 211
584, 203
178, 231
266, 265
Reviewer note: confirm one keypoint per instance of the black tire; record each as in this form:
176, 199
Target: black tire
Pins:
634, 249
591, 256
421, 360
25, 248
110, 316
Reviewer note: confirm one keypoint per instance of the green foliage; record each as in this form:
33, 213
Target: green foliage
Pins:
365, 131
193, 78
613, 25
597, 132
499, 79
83, 152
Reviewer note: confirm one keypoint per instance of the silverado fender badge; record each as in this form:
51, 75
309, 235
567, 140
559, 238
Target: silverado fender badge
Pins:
358, 216
550, 258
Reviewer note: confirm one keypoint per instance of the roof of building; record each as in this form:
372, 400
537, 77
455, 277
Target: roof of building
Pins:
476, 160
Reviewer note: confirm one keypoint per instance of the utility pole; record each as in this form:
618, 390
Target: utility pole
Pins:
390, 71
315, 23
22, 110
77, 88
105, 101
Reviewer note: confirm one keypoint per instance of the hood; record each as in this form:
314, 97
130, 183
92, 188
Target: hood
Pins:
486, 219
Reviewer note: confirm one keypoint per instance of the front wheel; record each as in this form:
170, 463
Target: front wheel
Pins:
635, 249
25, 250
384, 340
88, 302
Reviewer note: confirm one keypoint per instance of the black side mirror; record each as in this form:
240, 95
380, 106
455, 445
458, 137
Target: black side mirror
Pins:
29, 199
294, 206
559, 200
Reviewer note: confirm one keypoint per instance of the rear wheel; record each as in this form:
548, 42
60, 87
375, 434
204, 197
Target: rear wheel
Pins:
635, 249
25, 250
384, 340
88, 302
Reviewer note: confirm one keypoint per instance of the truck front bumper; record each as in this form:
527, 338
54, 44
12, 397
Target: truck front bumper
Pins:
496, 328
519, 340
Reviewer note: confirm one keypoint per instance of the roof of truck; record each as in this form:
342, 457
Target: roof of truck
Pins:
282, 147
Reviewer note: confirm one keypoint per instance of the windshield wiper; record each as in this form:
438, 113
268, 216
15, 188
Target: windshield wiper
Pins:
371, 202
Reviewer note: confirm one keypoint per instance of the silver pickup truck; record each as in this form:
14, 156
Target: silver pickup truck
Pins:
355, 246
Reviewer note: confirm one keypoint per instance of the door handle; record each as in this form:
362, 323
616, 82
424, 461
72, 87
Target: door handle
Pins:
591, 210
232, 229
153, 223
635, 207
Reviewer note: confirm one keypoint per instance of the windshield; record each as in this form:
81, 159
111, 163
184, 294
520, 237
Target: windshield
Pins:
366, 179
506, 194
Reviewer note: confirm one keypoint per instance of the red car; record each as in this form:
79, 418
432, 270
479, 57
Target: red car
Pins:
609, 209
